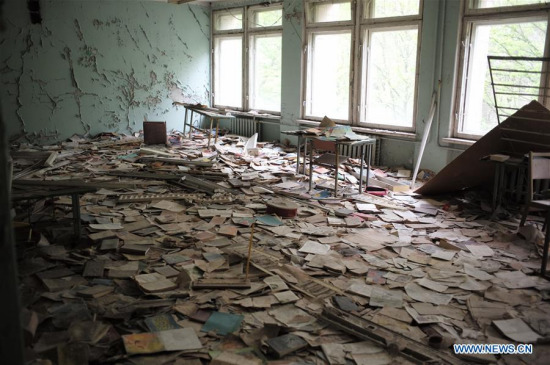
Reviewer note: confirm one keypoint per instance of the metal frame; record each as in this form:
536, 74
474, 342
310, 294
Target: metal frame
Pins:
470, 17
541, 91
246, 32
359, 24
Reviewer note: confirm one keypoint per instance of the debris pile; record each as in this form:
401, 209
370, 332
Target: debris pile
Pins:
190, 255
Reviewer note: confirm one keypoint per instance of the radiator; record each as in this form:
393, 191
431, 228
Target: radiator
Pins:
246, 127
355, 152
243, 126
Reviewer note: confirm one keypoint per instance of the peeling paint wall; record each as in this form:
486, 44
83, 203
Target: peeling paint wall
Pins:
95, 66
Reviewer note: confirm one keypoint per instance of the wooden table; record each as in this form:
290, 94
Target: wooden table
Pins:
50, 192
211, 113
365, 144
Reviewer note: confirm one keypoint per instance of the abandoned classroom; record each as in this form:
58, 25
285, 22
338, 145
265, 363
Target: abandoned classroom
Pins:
274, 182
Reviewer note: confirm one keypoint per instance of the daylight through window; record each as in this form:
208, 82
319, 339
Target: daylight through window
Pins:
247, 58
378, 87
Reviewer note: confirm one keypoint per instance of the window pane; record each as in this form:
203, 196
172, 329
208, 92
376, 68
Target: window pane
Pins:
329, 12
229, 19
386, 9
329, 75
228, 73
391, 75
498, 3
266, 18
524, 39
265, 72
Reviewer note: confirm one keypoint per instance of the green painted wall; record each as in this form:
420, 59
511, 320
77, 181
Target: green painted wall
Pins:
95, 66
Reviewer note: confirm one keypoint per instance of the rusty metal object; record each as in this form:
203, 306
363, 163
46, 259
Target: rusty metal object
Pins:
396, 343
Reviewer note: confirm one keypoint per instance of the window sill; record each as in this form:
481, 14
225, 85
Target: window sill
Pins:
364, 130
458, 141
252, 115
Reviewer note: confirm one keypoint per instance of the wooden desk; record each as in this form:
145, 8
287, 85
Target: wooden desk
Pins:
211, 113
365, 144
49, 192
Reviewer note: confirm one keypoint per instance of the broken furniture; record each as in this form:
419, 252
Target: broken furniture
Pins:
162, 258
510, 178
50, 192
365, 144
394, 341
154, 132
213, 114
526, 130
539, 172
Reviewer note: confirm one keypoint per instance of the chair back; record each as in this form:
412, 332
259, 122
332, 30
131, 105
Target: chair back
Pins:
539, 169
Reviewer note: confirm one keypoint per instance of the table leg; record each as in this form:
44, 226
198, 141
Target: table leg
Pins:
185, 122
501, 185
369, 156
337, 162
362, 161
495, 187
298, 155
217, 130
310, 164
76, 215
305, 154
210, 131
191, 124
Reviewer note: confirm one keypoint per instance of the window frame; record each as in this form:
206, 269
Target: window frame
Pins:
362, 91
307, 75
468, 9
359, 25
246, 32
251, 51
228, 35
493, 16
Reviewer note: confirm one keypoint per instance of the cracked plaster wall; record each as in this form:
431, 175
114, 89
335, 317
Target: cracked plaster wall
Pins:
101, 66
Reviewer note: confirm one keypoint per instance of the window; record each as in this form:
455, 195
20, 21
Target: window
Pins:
378, 87
328, 74
228, 73
247, 58
488, 31
390, 82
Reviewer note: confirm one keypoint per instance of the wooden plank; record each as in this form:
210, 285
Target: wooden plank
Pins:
51, 159
145, 175
221, 283
370, 331
78, 183
177, 161
150, 197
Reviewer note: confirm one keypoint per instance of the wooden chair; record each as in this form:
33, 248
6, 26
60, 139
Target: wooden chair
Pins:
539, 169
